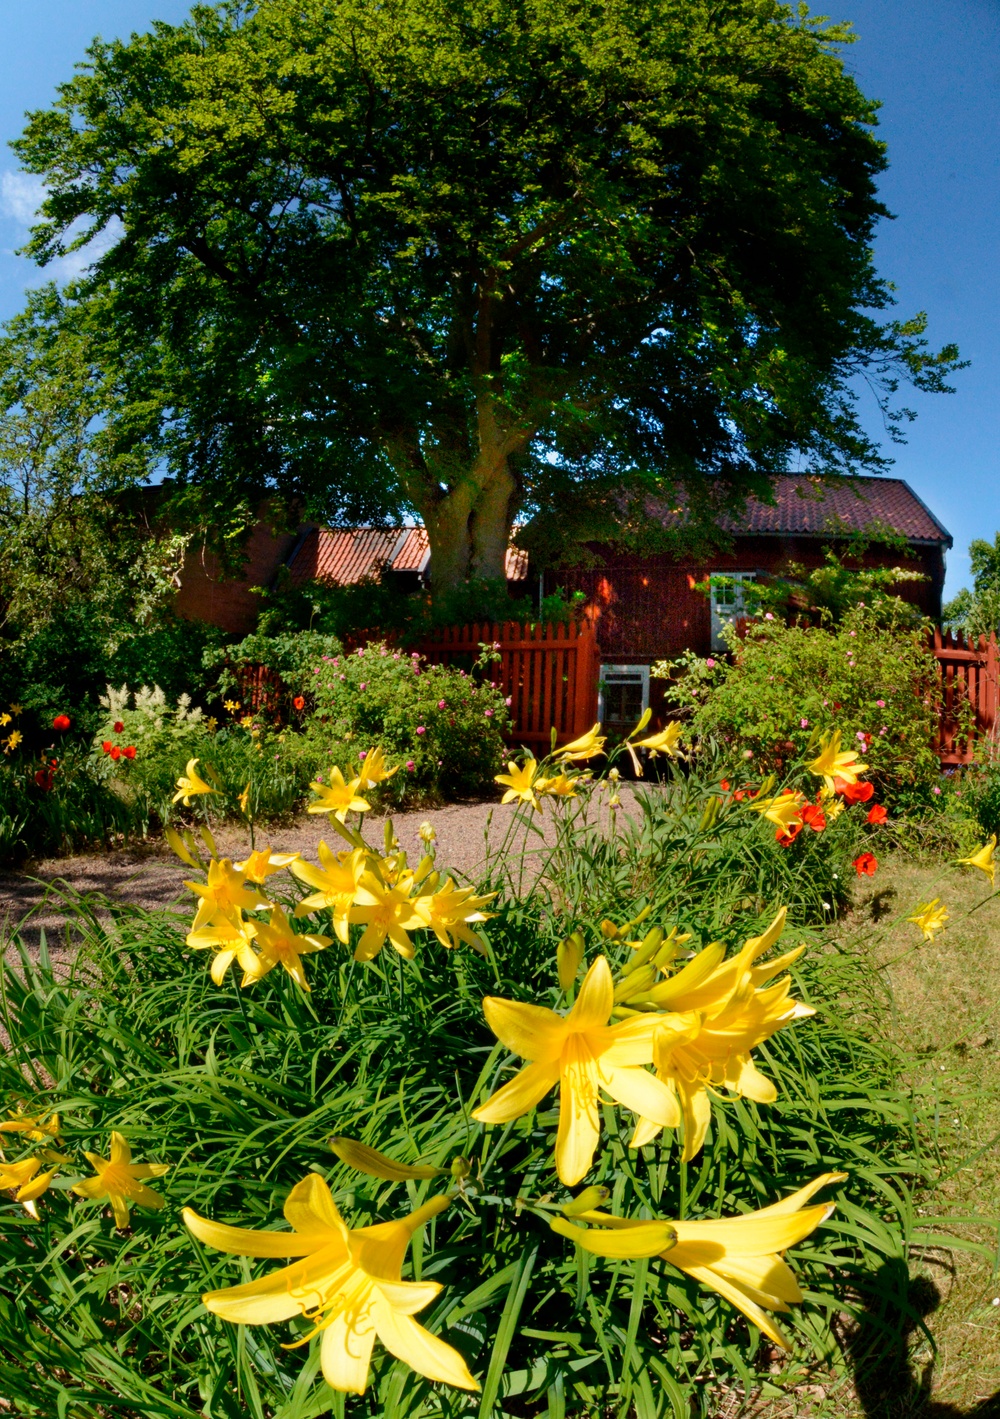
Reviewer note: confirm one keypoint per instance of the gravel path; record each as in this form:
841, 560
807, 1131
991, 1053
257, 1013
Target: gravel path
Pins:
148, 874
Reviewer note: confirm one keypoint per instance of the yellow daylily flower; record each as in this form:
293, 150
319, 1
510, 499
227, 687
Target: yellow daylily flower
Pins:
12, 741
561, 786
718, 1010
338, 797
231, 705
372, 769
930, 917
26, 1181
983, 859
244, 802
336, 884
4, 720
449, 911
16, 709
666, 742
588, 746
121, 1181
190, 784
224, 894
386, 912
427, 834
262, 863
280, 945
37, 1129
230, 940
831, 763
781, 810
582, 1053
345, 1281
521, 783
739, 1257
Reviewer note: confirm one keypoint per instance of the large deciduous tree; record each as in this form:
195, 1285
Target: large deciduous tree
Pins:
478, 257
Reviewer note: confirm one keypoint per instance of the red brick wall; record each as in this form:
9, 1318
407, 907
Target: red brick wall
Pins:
204, 595
646, 608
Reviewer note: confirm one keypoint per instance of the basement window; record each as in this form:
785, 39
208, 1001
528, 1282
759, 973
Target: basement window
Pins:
623, 695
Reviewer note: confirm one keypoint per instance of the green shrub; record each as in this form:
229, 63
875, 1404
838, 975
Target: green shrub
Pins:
870, 678
240, 1092
443, 726
290, 654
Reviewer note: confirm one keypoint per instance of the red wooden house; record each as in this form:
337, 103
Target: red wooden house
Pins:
647, 608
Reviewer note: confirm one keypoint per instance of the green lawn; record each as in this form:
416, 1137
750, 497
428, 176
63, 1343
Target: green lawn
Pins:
945, 1020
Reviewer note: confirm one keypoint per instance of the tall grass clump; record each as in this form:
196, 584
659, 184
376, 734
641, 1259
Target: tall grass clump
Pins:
369, 1081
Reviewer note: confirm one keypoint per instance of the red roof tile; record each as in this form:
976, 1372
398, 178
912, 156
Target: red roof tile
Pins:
345, 556
821, 507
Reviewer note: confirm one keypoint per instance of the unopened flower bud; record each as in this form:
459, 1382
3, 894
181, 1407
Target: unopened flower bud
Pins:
569, 956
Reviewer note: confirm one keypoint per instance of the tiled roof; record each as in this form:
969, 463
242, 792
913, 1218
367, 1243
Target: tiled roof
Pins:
345, 556
821, 507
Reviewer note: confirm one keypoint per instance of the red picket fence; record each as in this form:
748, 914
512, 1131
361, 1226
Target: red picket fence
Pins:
968, 698
261, 691
550, 673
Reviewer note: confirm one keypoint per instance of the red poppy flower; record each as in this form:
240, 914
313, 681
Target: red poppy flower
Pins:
724, 784
119, 726
299, 702
43, 777
116, 753
866, 864
739, 795
129, 751
785, 839
813, 817
877, 814
106, 746
853, 792
61, 723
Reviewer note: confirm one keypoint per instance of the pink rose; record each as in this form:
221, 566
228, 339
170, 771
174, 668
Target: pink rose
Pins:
441, 704
710, 663
488, 713
421, 729
803, 724
363, 685
509, 700
410, 765
935, 789
363, 754
880, 703
768, 616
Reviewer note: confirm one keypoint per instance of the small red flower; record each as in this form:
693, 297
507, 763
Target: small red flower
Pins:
739, 795
866, 864
785, 839
129, 751
61, 723
724, 784
43, 777
106, 746
877, 814
813, 817
853, 792
119, 726
116, 753
299, 702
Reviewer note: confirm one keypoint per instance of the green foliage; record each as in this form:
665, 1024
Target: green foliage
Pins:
240, 1097
977, 612
458, 228
58, 802
832, 590
870, 676
442, 725
291, 654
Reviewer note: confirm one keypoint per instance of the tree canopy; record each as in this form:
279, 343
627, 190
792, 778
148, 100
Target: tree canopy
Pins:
481, 258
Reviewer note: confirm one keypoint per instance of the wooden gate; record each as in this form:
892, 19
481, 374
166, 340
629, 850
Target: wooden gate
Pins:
549, 672
967, 687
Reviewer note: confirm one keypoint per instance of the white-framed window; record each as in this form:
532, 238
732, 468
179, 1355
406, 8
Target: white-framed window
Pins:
623, 694
733, 595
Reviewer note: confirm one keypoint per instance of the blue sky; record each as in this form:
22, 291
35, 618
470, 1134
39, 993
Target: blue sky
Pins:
936, 68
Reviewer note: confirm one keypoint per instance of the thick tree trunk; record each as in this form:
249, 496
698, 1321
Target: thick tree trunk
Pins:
490, 526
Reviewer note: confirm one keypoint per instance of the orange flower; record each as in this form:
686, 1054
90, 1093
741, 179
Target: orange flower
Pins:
877, 814
813, 817
853, 792
866, 864
785, 837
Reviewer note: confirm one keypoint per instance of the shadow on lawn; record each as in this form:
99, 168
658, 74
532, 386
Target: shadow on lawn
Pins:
889, 1384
